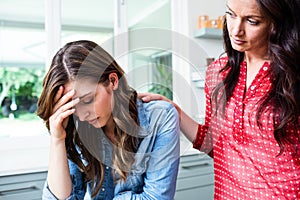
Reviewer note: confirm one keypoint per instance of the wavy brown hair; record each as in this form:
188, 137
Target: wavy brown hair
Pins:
85, 59
284, 51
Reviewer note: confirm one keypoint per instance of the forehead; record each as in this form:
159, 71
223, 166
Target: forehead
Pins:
81, 87
244, 7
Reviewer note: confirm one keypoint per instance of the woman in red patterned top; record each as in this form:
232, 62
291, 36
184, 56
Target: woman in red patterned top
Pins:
252, 118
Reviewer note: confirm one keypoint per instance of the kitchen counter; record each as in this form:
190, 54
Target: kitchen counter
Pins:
24, 164
20, 155
28, 154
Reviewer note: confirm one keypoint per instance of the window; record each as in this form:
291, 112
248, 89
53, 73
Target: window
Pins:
23, 62
150, 60
22, 56
22, 65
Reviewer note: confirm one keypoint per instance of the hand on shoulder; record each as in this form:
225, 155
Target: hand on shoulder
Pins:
147, 97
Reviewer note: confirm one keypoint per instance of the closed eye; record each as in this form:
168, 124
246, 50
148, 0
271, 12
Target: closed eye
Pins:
87, 100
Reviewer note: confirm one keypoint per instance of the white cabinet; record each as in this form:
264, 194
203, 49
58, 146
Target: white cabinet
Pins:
22, 186
195, 178
23, 169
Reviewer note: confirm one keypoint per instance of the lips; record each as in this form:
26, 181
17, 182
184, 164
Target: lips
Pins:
93, 121
237, 41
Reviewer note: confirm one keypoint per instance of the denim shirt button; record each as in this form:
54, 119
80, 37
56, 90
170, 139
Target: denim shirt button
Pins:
103, 189
107, 168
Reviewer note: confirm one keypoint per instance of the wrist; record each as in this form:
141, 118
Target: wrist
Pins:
57, 140
178, 110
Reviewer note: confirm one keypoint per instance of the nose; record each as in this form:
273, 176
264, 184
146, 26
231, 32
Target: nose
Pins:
236, 27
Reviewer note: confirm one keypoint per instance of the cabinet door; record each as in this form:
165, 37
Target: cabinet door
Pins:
195, 178
22, 186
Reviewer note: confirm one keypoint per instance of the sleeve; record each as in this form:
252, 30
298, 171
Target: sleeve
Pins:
161, 174
78, 185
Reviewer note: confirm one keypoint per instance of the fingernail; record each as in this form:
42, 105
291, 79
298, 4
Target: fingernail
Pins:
76, 100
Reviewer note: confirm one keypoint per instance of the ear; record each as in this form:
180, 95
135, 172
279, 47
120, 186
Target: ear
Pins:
114, 80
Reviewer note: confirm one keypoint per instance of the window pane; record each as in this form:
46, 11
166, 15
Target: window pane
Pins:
21, 70
88, 20
150, 59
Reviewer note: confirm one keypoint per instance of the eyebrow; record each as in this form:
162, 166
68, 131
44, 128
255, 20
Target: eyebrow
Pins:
81, 97
229, 8
258, 16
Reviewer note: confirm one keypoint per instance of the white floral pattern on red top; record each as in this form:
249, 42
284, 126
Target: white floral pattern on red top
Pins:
246, 161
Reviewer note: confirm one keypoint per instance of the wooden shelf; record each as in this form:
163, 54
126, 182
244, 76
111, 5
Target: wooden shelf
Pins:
209, 33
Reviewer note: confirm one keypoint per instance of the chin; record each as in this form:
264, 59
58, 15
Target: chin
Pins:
237, 48
97, 125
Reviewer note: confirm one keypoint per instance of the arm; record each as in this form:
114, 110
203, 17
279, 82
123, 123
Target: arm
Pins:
59, 181
188, 126
161, 173
196, 133
78, 185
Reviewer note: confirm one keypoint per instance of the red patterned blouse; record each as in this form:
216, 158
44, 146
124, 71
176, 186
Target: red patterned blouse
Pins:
246, 160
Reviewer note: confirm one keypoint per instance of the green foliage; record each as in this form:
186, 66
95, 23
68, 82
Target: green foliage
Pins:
161, 89
22, 85
162, 81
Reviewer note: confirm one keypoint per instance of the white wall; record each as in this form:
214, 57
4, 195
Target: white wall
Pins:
212, 8
211, 47
187, 13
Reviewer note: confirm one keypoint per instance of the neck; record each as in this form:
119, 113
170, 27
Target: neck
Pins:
109, 130
260, 56
251, 59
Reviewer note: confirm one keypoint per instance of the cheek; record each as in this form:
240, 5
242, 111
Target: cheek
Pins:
259, 33
103, 105
259, 37
232, 23
228, 24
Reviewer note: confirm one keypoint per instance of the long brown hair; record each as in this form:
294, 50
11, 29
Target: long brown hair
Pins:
284, 51
86, 59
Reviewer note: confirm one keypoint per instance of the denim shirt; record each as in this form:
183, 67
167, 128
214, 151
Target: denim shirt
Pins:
153, 174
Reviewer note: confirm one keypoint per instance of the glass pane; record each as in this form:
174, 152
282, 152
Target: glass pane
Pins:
88, 20
22, 56
150, 59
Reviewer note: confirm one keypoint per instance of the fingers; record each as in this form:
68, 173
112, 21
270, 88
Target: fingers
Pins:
141, 95
63, 108
61, 99
59, 120
146, 97
58, 94
63, 111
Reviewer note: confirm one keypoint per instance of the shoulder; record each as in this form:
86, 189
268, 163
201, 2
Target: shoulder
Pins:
156, 109
218, 64
156, 105
213, 76
156, 112
159, 124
